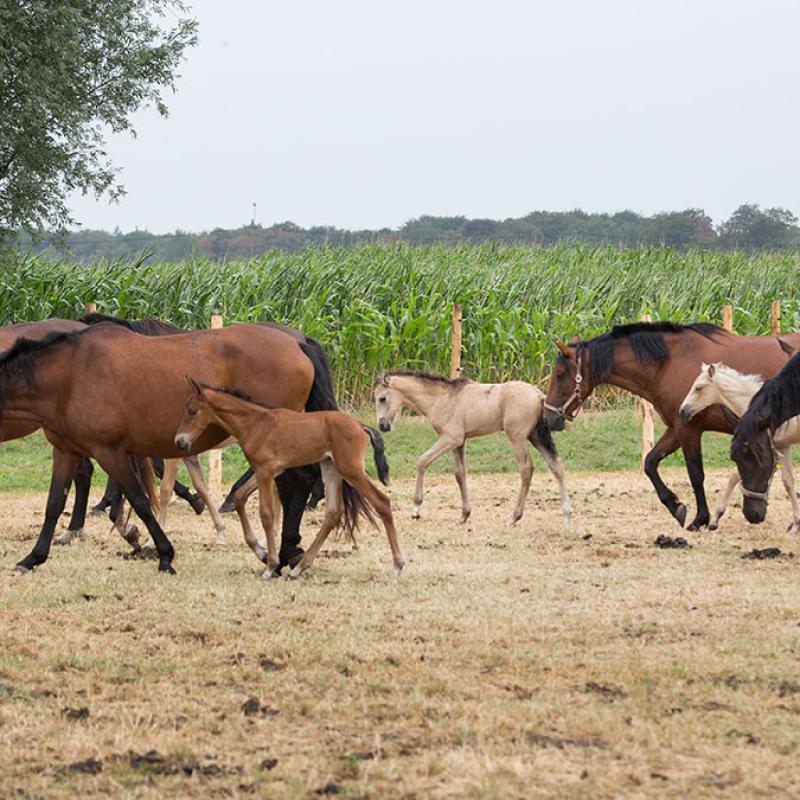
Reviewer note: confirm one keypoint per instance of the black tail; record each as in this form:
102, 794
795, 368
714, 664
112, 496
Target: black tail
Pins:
542, 437
322, 396
381, 464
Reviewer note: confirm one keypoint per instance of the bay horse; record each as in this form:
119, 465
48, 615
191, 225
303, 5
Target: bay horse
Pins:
111, 394
659, 361
723, 385
276, 439
753, 447
461, 409
295, 485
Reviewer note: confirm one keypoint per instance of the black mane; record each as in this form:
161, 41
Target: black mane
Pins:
646, 339
20, 359
237, 393
150, 326
777, 401
422, 375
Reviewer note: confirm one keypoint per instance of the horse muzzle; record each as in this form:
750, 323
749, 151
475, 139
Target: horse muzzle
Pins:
686, 413
755, 511
183, 443
384, 425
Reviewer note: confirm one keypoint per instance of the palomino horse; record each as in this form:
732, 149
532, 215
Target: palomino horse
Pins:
459, 410
132, 404
753, 448
722, 385
275, 439
659, 361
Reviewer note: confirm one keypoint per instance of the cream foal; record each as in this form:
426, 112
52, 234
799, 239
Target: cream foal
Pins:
718, 384
459, 410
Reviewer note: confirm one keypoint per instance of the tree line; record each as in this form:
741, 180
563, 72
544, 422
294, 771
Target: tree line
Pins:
749, 228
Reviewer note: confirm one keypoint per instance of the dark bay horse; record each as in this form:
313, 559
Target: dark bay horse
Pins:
111, 394
752, 448
659, 362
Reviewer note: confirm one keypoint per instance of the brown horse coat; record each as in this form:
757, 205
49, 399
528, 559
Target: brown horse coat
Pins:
107, 393
659, 362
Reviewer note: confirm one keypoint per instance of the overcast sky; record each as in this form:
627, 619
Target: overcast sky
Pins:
366, 113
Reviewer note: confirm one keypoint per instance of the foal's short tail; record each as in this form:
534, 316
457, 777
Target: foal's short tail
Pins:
381, 464
143, 472
355, 506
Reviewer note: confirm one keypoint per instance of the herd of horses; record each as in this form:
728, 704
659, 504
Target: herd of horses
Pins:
129, 394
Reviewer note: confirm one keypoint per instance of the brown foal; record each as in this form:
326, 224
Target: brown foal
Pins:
276, 439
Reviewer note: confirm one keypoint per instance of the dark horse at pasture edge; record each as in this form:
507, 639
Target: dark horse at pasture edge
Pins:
131, 405
659, 362
752, 448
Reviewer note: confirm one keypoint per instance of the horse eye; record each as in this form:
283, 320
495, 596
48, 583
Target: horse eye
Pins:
192, 412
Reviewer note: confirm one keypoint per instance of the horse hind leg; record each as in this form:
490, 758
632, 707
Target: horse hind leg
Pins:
83, 485
520, 447
240, 504
167, 483
334, 509
787, 476
460, 467
196, 474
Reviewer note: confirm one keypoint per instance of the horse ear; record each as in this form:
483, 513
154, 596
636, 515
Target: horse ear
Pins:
786, 347
711, 370
386, 379
730, 417
563, 348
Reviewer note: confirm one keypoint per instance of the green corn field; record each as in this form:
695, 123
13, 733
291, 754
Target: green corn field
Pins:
390, 305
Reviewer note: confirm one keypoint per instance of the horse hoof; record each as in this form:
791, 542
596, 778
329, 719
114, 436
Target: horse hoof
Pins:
270, 574
567, 520
680, 514
398, 568
198, 505
21, 569
712, 526
465, 516
167, 569
227, 507
221, 540
63, 539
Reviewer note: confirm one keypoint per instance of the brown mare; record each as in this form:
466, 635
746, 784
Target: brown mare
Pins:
659, 362
109, 394
16, 429
276, 439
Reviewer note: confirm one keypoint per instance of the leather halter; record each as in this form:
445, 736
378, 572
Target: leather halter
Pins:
763, 496
576, 394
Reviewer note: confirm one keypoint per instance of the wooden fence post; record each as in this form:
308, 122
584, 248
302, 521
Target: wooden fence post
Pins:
89, 308
648, 432
455, 343
775, 317
215, 456
727, 317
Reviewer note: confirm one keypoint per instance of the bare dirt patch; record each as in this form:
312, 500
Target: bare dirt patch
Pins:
537, 661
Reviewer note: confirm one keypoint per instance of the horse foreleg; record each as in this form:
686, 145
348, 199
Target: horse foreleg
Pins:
240, 504
83, 484
167, 483
722, 505
667, 444
63, 472
547, 449
460, 465
266, 508
441, 446
196, 474
787, 476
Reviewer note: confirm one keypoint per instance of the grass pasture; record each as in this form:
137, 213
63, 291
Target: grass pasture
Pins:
529, 662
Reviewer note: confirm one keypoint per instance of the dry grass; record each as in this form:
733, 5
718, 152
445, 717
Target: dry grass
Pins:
533, 662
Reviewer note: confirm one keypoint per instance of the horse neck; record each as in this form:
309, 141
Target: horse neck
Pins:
234, 415
421, 395
735, 391
35, 394
629, 374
